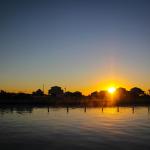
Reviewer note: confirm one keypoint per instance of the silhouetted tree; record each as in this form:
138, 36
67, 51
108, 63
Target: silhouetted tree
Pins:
149, 91
95, 94
68, 94
136, 91
77, 94
103, 94
3, 93
39, 92
121, 92
56, 91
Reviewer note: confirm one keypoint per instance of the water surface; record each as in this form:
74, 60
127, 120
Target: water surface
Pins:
29, 128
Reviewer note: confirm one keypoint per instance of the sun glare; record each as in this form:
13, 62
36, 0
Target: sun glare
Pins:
111, 90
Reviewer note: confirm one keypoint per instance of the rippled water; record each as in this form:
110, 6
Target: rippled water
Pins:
26, 128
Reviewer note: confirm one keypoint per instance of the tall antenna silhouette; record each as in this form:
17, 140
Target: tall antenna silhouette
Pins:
65, 89
43, 88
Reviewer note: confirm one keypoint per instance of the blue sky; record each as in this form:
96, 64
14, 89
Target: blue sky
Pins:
82, 45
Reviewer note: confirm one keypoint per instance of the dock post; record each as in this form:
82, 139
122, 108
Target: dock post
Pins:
133, 110
85, 108
118, 109
67, 109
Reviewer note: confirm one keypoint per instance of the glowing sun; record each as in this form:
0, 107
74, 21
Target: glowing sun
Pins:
111, 90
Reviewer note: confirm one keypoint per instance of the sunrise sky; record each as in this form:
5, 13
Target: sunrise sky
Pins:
83, 45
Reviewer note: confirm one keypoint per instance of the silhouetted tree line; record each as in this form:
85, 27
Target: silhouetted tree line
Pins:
57, 96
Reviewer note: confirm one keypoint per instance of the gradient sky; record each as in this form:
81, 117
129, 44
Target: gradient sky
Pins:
84, 45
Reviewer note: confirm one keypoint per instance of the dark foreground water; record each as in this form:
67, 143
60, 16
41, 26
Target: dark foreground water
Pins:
26, 128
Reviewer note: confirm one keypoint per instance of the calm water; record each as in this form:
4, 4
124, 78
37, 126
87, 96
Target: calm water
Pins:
74, 128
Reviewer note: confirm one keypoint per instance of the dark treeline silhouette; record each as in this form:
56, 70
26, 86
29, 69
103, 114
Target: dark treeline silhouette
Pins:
57, 96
